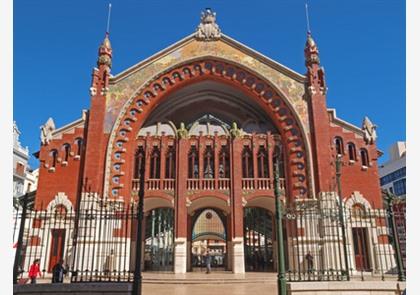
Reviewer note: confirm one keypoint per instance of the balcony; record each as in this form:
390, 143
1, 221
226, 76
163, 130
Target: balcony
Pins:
261, 184
154, 184
208, 184
195, 184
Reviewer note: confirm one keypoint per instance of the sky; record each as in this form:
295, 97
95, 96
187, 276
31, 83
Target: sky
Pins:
361, 45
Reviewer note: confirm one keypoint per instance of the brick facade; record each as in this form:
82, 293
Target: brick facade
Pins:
306, 130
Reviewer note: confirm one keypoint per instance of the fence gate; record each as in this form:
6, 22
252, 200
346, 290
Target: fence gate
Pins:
159, 240
258, 235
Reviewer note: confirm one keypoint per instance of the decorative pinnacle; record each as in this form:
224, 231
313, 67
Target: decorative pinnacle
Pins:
208, 30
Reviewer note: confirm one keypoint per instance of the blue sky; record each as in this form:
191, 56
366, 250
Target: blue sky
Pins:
361, 43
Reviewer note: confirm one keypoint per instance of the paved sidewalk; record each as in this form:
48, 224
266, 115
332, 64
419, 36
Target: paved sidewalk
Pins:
211, 289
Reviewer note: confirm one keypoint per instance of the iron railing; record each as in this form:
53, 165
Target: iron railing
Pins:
103, 247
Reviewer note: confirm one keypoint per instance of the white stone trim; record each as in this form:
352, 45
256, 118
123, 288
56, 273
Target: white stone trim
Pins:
357, 198
60, 199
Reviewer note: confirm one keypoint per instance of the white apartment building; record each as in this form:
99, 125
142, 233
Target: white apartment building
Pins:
392, 173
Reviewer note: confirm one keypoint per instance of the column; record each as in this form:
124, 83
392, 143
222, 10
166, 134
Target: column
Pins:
237, 215
180, 242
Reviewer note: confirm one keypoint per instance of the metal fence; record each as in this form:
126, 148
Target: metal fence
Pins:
98, 243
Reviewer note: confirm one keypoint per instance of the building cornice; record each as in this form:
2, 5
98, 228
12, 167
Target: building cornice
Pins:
77, 123
344, 124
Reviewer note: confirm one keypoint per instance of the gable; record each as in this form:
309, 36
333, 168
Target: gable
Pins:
126, 84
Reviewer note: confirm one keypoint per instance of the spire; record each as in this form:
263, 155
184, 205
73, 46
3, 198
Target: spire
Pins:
105, 49
311, 51
105, 52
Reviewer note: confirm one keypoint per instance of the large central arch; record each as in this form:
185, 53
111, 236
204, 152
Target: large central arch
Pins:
150, 95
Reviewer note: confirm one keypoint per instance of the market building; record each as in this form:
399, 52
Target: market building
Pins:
212, 120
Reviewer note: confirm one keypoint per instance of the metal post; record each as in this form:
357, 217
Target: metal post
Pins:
343, 229
389, 198
20, 240
137, 281
281, 276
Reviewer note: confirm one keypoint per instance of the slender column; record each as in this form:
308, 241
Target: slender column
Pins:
180, 250
270, 150
237, 214
200, 149
216, 149
254, 150
147, 149
163, 149
189, 242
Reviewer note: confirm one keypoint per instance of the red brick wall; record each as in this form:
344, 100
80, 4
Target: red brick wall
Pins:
65, 178
353, 177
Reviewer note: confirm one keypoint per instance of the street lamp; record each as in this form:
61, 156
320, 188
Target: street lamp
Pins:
137, 280
338, 164
281, 277
389, 198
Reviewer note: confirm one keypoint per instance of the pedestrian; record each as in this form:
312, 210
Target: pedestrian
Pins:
310, 260
110, 263
34, 271
58, 272
208, 262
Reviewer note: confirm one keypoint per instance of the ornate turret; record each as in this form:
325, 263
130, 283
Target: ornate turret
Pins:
317, 90
105, 53
311, 51
316, 74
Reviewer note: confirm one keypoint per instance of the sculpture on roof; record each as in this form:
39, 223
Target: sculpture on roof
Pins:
47, 130
369, 131
208, 30
235, 132
182, 132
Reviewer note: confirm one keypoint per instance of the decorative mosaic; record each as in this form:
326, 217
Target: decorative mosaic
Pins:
125, 85
136, 108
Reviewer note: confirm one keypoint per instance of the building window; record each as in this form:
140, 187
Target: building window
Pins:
20, 168
79, 143
247, 163
365, 157
400, 173
399, 187
155, 163
352, 151
139, 161
54, 155
339, 146
193, 163
224, 162
66, 148
262, 162
278, 160
209, 162
170, 163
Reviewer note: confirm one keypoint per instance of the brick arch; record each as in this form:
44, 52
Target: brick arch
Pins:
271, 100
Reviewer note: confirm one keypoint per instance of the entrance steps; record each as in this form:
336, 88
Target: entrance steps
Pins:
216, 277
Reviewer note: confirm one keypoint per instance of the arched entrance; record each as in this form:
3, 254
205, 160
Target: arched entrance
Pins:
194, 123
271, 100
159, 240
208, 236
258, 239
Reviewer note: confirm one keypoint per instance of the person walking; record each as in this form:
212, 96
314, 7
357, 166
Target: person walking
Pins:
34, 271
58, 272
208, 262
310, 260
